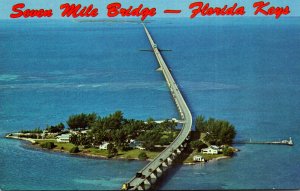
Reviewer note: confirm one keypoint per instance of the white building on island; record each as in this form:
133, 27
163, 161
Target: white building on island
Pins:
212, 150
103, 146
136, 144
64, 138
198, 158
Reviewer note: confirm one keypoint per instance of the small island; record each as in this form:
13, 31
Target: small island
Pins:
116, 137
212, 139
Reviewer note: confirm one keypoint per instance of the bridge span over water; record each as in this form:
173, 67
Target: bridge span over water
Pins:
147, 177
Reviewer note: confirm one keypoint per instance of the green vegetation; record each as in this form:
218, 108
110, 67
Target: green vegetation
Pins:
96, 151
123, 135
56, 128
218, 132
130, 154
66, 146
74, 150
118, 130
228, 151
47, 145
127, 137
115, 129
143, 156
36, 130
81, 121
198, 145
134, 153
31, 136
150, 138
112, 151
211, 132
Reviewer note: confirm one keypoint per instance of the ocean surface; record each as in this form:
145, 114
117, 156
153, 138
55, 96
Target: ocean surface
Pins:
245, 70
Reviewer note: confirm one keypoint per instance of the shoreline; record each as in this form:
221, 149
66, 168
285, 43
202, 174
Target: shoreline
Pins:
93, 156
33, 144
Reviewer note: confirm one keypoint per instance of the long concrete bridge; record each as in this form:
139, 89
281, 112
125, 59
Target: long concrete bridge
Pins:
146, 177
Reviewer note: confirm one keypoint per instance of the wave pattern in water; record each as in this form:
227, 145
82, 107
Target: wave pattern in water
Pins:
8, 77
118, 86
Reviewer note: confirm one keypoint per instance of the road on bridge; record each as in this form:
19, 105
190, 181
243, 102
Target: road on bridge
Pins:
186, 118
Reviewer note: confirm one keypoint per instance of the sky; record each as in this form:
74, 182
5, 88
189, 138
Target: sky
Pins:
160, 5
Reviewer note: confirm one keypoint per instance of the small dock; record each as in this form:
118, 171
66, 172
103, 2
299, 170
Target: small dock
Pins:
288, 142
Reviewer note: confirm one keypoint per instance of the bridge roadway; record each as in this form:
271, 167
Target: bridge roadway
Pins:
153, 170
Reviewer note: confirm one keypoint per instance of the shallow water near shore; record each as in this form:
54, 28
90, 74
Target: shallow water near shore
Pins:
245, 70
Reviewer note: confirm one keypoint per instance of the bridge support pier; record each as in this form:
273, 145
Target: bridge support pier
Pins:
169, 160
159, 171
147, 183
141, 187
164, 167
165, 164
174, 154
153, 177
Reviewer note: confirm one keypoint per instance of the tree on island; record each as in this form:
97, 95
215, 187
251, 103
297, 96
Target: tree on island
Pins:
228, 151
118, 130
134, 128
112, 150
142, 156
114, 121
119, 137
36, 130
200, 123
81, 139
81, 121
74, 150
74, 139
48, 145
56, 128
219, 132
151, 123
168, 125
198, 145
150, 138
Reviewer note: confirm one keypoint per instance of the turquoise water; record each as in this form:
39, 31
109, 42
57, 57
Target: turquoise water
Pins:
245, 70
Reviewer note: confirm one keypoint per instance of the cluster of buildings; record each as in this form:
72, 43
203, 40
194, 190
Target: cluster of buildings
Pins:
65, 138
132, 143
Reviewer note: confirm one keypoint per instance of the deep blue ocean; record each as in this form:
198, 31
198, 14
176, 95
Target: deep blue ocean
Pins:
245, 70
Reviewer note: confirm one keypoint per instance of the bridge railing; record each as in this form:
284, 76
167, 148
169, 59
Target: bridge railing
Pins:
183, 110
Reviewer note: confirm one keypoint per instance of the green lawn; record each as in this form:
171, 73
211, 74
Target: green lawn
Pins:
66, 146
131, 154
96, 151
209, 157
134, 153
